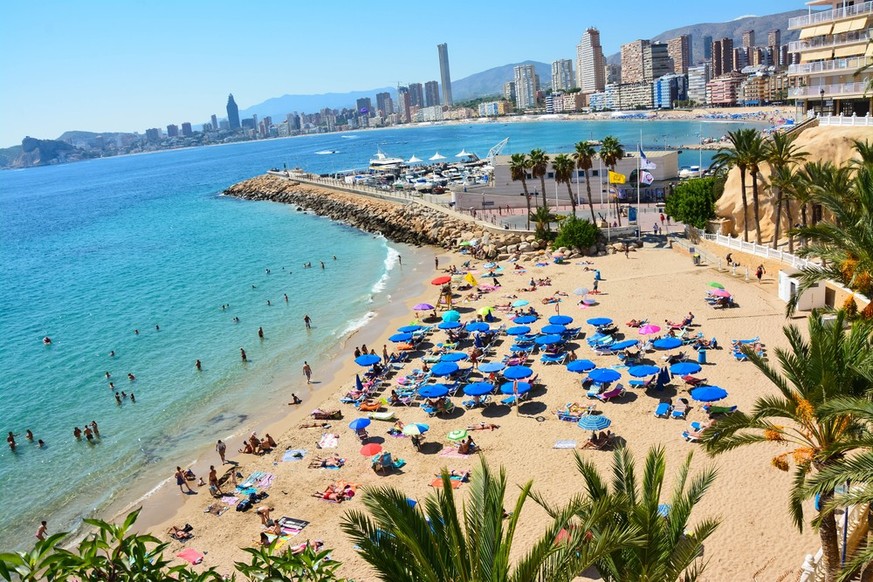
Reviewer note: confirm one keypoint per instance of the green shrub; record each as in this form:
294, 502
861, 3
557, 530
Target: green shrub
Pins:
577, 232
693, 202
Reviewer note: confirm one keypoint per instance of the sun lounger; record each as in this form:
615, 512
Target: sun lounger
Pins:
648, 382
389, 415
513, 399
611, 394
680, 409
471, 404
370, 405
384, 463
693, 381
553, 359
713, 410
664, 409
674, 358
690, 436
754, 340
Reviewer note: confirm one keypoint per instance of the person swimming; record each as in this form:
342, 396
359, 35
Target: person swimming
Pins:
198, 365
47, 340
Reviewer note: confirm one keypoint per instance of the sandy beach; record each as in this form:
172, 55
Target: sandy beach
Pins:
756, 538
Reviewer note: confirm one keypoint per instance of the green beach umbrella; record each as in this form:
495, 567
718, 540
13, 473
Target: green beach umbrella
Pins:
715, 285
457, 435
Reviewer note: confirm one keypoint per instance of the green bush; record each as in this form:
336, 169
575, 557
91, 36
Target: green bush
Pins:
577, 232
693, 202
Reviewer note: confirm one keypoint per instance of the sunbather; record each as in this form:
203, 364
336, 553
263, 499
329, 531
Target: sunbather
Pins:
332, 462
314, 425
462, 476
483, 426
181, 533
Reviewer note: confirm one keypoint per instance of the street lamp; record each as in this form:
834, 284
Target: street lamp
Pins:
821, 105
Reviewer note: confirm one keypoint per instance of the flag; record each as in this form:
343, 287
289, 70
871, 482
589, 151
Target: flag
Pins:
646, 178
616, 178
469, 278
645, 164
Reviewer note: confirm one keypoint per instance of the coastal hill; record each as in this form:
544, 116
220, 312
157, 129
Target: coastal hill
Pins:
490, 82
40, 152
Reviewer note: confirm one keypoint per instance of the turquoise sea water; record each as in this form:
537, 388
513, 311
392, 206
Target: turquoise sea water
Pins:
91, 251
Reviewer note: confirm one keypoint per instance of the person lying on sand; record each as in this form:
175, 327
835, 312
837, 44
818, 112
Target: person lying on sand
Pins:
483, 426
181, 533
463, 476
314, 425
328, 462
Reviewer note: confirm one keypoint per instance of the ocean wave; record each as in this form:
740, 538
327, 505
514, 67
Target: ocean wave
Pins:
392, 259
356, 324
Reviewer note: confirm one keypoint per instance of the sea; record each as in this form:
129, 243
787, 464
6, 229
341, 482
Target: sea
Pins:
93, 252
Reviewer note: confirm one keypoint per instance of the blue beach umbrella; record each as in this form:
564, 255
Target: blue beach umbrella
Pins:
516, 372
599, 321
515, 387
547, 340
664, 510
553, 328
561, 320
520, 302
444, 369
491, 367
525, 319
489, 265
400, 337
452, 316
708, 393
433, 391
603, 375
478, 389
581, 366
359, 423
367, 360
685, 368
477, 326
359, 386
453, 357
408, 328
449, 325
594, 422
667, 343
624, 344
518, 330
643, 371
663, 378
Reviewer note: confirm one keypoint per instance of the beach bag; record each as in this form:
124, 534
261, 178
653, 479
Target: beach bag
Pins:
244, 505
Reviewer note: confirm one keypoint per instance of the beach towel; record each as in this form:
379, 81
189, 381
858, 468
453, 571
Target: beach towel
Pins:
245, 491
265, 481
291, 526
328, 441
251, 481
229, 500
452, 453
438, 483
191, 556
293, 455
215, 509
568, 444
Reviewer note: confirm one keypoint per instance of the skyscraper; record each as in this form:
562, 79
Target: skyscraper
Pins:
172, 130
679, 49
431, 94
525, 86
656, 61
707, 48
748, 39
562, 75
416, 95
403, 105
384, 103
722, 57
232, 113
186, 130
590, 64
445, 75
214, 121
632, 61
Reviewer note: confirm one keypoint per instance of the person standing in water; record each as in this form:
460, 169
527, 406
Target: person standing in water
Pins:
307, 371
307, 321
42, 530
261, 333
242, 354
198, 365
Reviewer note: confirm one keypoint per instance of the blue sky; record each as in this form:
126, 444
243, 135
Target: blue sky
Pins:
125, 66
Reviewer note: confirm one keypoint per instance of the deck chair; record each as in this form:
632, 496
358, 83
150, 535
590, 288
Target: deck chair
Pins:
664, 409
611, 394
680, 409
647, 383
693, 380
690, 436
713, 410
553, 359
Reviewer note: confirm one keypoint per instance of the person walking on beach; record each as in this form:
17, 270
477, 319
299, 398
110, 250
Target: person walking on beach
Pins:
759, 272
180, 480
436, 263
242, 354
307, 321
221, 448
213, 480
42, 530
385, 353
307, 371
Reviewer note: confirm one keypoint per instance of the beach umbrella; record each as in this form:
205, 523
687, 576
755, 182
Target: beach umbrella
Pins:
359, 423
547, 340
453, 357
715, 285
560, 320
580, 291
520, 302
400, 337
415, 428
450, 325
518, 330
599, 321
441, 280
359, 386
643, 371
491, 367
478, 389
371, 449
581, 366
433, 391
663, 378
367, 360
490, 265
624, 344
485, 311
436, 157
525, 319
477, 326
423, 307
517, 372
664, 510
553, 328
685, 368
457, 434
452, 315
515, 387
708, 393
594, 422
444, 369
720, 293
667, 343
408, 328
588, 302
413, 160
604, 375
649, 329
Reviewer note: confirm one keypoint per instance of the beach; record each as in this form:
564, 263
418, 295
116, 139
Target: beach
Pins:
756, 538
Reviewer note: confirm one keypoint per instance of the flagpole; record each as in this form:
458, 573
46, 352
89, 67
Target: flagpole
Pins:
639, 171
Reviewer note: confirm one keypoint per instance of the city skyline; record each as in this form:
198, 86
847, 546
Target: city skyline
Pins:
117, 67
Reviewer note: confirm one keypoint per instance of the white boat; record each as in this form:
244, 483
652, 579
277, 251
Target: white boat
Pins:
383, 162
690, 172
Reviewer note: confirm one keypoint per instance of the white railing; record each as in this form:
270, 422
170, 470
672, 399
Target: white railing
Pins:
834, 66
858, 88
846, 121
758, 250
829, 15
840, 39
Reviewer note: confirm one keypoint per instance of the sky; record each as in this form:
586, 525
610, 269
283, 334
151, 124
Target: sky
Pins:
125, 66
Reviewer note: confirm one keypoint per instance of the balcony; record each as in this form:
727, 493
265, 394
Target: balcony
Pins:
828, 42
830, 15
841, 90
829, 67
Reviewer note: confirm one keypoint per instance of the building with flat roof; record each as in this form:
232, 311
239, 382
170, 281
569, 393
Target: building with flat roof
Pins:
445, 75
722, 91
384, 103
186, 129
525, 87
562, 75
632, 70
656, 61
416, 94
679, 51
509, 90
722, 56
590, 63
698, 77
669, 89
431, 94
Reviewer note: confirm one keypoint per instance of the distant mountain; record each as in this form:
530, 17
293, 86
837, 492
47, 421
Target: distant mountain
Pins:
279, 107
491, 82
733, 29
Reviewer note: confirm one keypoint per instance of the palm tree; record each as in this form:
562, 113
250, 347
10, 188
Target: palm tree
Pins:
445, 543
755, 155
518, 167
308, 566
564, 167
611, 152
781, 152
813, 373
865, 151
584, 157
667, 551
736, 155
790, 187
539, 165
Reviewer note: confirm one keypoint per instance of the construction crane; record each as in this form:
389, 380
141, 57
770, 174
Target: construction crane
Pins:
495, 151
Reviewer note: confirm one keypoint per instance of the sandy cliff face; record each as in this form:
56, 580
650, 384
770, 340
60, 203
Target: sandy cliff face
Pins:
823, 144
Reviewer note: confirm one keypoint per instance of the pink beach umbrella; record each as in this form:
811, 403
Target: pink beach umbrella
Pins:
649, 329
423, 307
720, 293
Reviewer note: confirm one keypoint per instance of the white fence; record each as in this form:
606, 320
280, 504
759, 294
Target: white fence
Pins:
846, 121
758, 250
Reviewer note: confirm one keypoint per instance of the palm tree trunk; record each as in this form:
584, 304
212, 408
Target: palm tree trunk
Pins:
543, 184
830, 546
745, 205
590, 202
757, 209
778, 217
527, 200
572, 198
803, 220
617, 203
789, 219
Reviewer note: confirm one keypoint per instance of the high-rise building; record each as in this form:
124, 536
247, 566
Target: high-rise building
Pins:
445, 75
384, 104
679, 50
153, 134
214, 121
667, 90
741, 58
698, 77
363, 106
632, 61
656, 61
611, 74
232, 113
774, 46
590, 64
431, 94
525, 87
562, 75
404, 107
509, 90
416, 95
774, 37
722, 57
172, 130
186, 130
748, 39
707, 48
